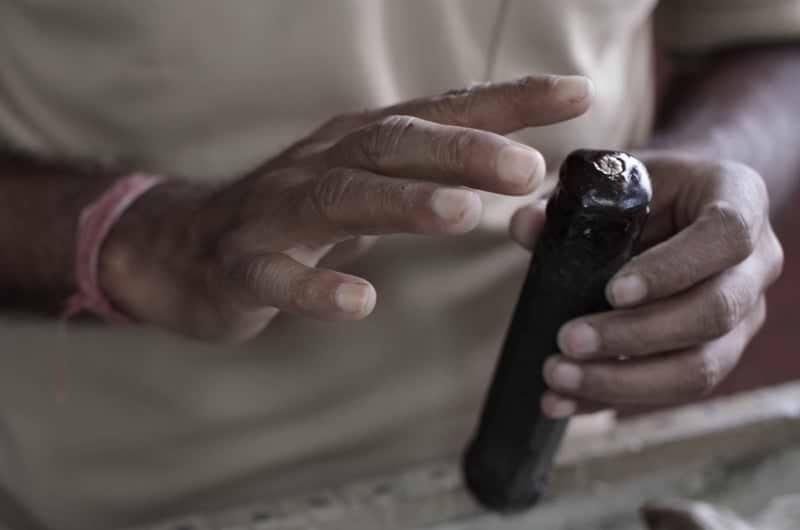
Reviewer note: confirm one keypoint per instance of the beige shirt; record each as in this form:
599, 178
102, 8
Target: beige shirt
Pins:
154, 425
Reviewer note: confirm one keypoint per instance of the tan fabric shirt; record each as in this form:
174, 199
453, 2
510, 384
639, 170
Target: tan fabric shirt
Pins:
152, 424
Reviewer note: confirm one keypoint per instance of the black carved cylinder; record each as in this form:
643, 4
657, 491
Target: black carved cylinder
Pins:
594, 221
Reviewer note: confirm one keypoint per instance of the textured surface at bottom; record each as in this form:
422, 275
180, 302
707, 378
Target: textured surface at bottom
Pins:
742, 452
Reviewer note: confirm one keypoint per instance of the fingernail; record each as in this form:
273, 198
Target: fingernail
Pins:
353, 297
579, 338
573, 88
564, 376
628, 290
461, 207
519, 166
526, 225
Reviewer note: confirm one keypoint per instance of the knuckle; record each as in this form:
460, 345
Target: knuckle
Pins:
472, 88
736, 228
777, 259
756, 188
452, 150
329, 191
543, 86
708, 373
255, 273
382, 138
725, 308
260, 275
305, 294
457, 108
546, 83
549, 83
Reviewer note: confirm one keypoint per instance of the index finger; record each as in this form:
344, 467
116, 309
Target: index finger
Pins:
408, 147
502, 108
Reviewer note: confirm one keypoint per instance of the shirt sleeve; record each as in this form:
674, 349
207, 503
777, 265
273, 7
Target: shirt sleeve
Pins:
691, 26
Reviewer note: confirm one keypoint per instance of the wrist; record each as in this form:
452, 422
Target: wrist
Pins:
138, 258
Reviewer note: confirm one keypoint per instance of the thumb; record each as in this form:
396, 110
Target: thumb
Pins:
527, 223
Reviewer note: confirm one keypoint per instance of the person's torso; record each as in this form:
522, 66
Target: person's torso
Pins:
204, 88
209, 89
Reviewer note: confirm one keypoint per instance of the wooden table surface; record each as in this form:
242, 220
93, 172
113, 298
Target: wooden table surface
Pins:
706, 450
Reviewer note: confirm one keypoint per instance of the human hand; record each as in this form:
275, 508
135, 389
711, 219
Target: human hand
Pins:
685, 308
220, 263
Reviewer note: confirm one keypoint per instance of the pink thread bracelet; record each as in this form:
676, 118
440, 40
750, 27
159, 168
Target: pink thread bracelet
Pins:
94, 225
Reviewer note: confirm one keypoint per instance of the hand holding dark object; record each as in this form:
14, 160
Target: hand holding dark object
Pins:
593, 223
686, 307
220, 263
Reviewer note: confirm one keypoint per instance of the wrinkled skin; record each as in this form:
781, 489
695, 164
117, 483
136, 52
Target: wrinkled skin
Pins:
220, 262
686, 307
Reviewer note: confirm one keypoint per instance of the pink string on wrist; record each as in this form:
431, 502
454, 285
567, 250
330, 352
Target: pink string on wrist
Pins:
94, 225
